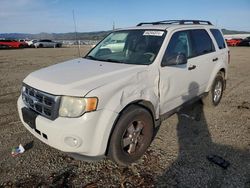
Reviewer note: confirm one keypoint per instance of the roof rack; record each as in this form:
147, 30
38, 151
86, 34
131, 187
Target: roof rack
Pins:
181, 22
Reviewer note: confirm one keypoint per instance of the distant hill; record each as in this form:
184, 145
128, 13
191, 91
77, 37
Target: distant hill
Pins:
80, 36
231, 32
57, 36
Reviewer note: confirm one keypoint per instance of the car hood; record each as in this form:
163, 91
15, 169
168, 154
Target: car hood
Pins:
79, 76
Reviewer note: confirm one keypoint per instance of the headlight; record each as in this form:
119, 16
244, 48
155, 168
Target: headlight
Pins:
76, 106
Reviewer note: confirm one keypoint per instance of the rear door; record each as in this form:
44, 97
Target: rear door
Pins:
222, 50
203, 58
47, 43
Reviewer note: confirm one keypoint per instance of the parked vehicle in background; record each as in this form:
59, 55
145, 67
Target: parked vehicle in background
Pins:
47, 44
245, 42
5, 43
32, 42
27, 42
111, 102
24, 43
24, 40
233, 41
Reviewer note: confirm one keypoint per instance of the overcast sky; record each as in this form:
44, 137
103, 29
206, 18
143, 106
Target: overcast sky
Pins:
55, 16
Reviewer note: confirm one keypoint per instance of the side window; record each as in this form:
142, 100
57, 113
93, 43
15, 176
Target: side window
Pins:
202, 42
219, 38
179, 44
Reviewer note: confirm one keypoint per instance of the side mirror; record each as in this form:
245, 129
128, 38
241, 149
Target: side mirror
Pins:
103, 51
177, 59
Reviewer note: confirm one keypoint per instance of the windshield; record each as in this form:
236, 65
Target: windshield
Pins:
131, 46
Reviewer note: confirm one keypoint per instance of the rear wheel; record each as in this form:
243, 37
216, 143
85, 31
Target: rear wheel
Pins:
132, 135
40, 45
215, 94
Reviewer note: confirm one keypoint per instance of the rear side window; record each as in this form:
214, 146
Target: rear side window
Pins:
219, 38
202, 43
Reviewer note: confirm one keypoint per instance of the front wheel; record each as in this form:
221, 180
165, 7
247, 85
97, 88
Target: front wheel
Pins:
215, 94
132, 135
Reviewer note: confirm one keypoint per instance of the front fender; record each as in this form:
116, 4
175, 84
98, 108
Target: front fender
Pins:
138, 87
114, 97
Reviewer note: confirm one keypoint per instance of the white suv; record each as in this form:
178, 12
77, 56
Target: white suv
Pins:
109, 102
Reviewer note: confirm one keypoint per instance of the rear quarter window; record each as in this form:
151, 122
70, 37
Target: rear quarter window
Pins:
202, 43
219, 38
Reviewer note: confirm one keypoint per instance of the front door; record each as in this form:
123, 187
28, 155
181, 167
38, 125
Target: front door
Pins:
177, 81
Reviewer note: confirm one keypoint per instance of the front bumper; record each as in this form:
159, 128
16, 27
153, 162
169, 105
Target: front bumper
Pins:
87, 135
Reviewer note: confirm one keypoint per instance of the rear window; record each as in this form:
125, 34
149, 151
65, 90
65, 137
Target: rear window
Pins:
219, 38
202, 43
45, 40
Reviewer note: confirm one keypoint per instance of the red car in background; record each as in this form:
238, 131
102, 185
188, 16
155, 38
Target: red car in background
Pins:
12, 44
233, 42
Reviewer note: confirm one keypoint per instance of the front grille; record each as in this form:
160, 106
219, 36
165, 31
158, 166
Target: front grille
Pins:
43, 103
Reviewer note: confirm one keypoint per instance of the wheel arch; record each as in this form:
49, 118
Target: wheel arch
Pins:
223, 70
140, 103
213, 75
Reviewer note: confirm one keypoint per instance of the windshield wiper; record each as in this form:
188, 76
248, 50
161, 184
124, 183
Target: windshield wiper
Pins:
108, 60
92, 57
113, 61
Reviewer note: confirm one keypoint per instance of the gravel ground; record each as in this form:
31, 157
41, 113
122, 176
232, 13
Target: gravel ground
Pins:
176, 158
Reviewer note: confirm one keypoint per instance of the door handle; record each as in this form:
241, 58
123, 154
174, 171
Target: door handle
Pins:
192, 67
215, 59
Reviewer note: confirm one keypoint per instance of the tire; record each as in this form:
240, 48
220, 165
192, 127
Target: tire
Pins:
215, 94
131, 136
40, 45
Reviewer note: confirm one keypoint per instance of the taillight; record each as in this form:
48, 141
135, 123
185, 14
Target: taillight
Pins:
228, 56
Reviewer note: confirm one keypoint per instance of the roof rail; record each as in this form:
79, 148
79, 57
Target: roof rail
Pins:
181, 22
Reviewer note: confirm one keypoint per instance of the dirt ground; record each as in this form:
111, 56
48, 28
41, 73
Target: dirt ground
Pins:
176, 158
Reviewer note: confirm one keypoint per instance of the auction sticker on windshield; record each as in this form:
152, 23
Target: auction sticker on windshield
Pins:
153, 33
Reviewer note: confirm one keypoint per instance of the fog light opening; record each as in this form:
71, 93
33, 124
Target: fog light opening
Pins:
45, 136
72, 141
